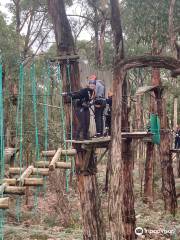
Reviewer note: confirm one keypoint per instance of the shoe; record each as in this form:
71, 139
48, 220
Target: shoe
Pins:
98, 135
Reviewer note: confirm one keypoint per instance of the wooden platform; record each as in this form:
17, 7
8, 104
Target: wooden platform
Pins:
64, 58
104, 141
173, 150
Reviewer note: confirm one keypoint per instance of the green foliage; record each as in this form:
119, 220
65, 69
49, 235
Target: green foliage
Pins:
145, 20
8, 41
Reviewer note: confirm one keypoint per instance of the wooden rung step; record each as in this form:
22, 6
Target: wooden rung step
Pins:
25, 174
45, 164
4, 203
36, 171
51, 153
5, 188
27, 181
14, 190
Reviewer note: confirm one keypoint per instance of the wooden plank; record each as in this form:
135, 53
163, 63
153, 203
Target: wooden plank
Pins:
27, 181
33, 182
4, 203
15, 190
64, 58
15, 170
125, 135
36, 171
51, 153
174, 150
45, 164
25, 174
56, 157
91, 141
41, 171
136, 135
9, 181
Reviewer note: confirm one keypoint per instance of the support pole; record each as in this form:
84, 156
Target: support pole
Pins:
25, 174
2, 188
56, 157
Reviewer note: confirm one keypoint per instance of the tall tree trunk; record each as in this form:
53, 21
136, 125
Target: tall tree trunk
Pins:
93, 228
128, 212
116, 166
121, 199
168, 182
148, 181
149, 170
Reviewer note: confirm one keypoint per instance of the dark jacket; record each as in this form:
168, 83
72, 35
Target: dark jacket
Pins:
82, 97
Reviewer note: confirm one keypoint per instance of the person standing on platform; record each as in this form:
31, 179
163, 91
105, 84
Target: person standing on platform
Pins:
99, 103
177, 138
81, 101
108, 113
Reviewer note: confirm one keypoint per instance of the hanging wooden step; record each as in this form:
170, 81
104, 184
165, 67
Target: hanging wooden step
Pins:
4, 203
36, 171
27, 181
24, 175
45, 164
51, 153
14, 190
6, 189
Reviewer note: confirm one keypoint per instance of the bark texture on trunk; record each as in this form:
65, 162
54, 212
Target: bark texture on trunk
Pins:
128, 212
121, 199
148, 182
178, 164
175, 120
168, 182
62, 29
93, 226
116, 167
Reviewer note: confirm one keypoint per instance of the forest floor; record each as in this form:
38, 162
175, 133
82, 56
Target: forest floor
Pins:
58, 215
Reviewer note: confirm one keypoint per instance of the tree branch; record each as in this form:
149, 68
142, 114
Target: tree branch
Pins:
81, 16
151, 61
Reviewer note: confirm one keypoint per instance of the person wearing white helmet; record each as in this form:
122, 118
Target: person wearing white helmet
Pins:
99, 103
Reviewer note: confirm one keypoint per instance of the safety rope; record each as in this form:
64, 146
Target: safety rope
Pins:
19, 130
37, 150
46, 115
63, 119
71, 117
